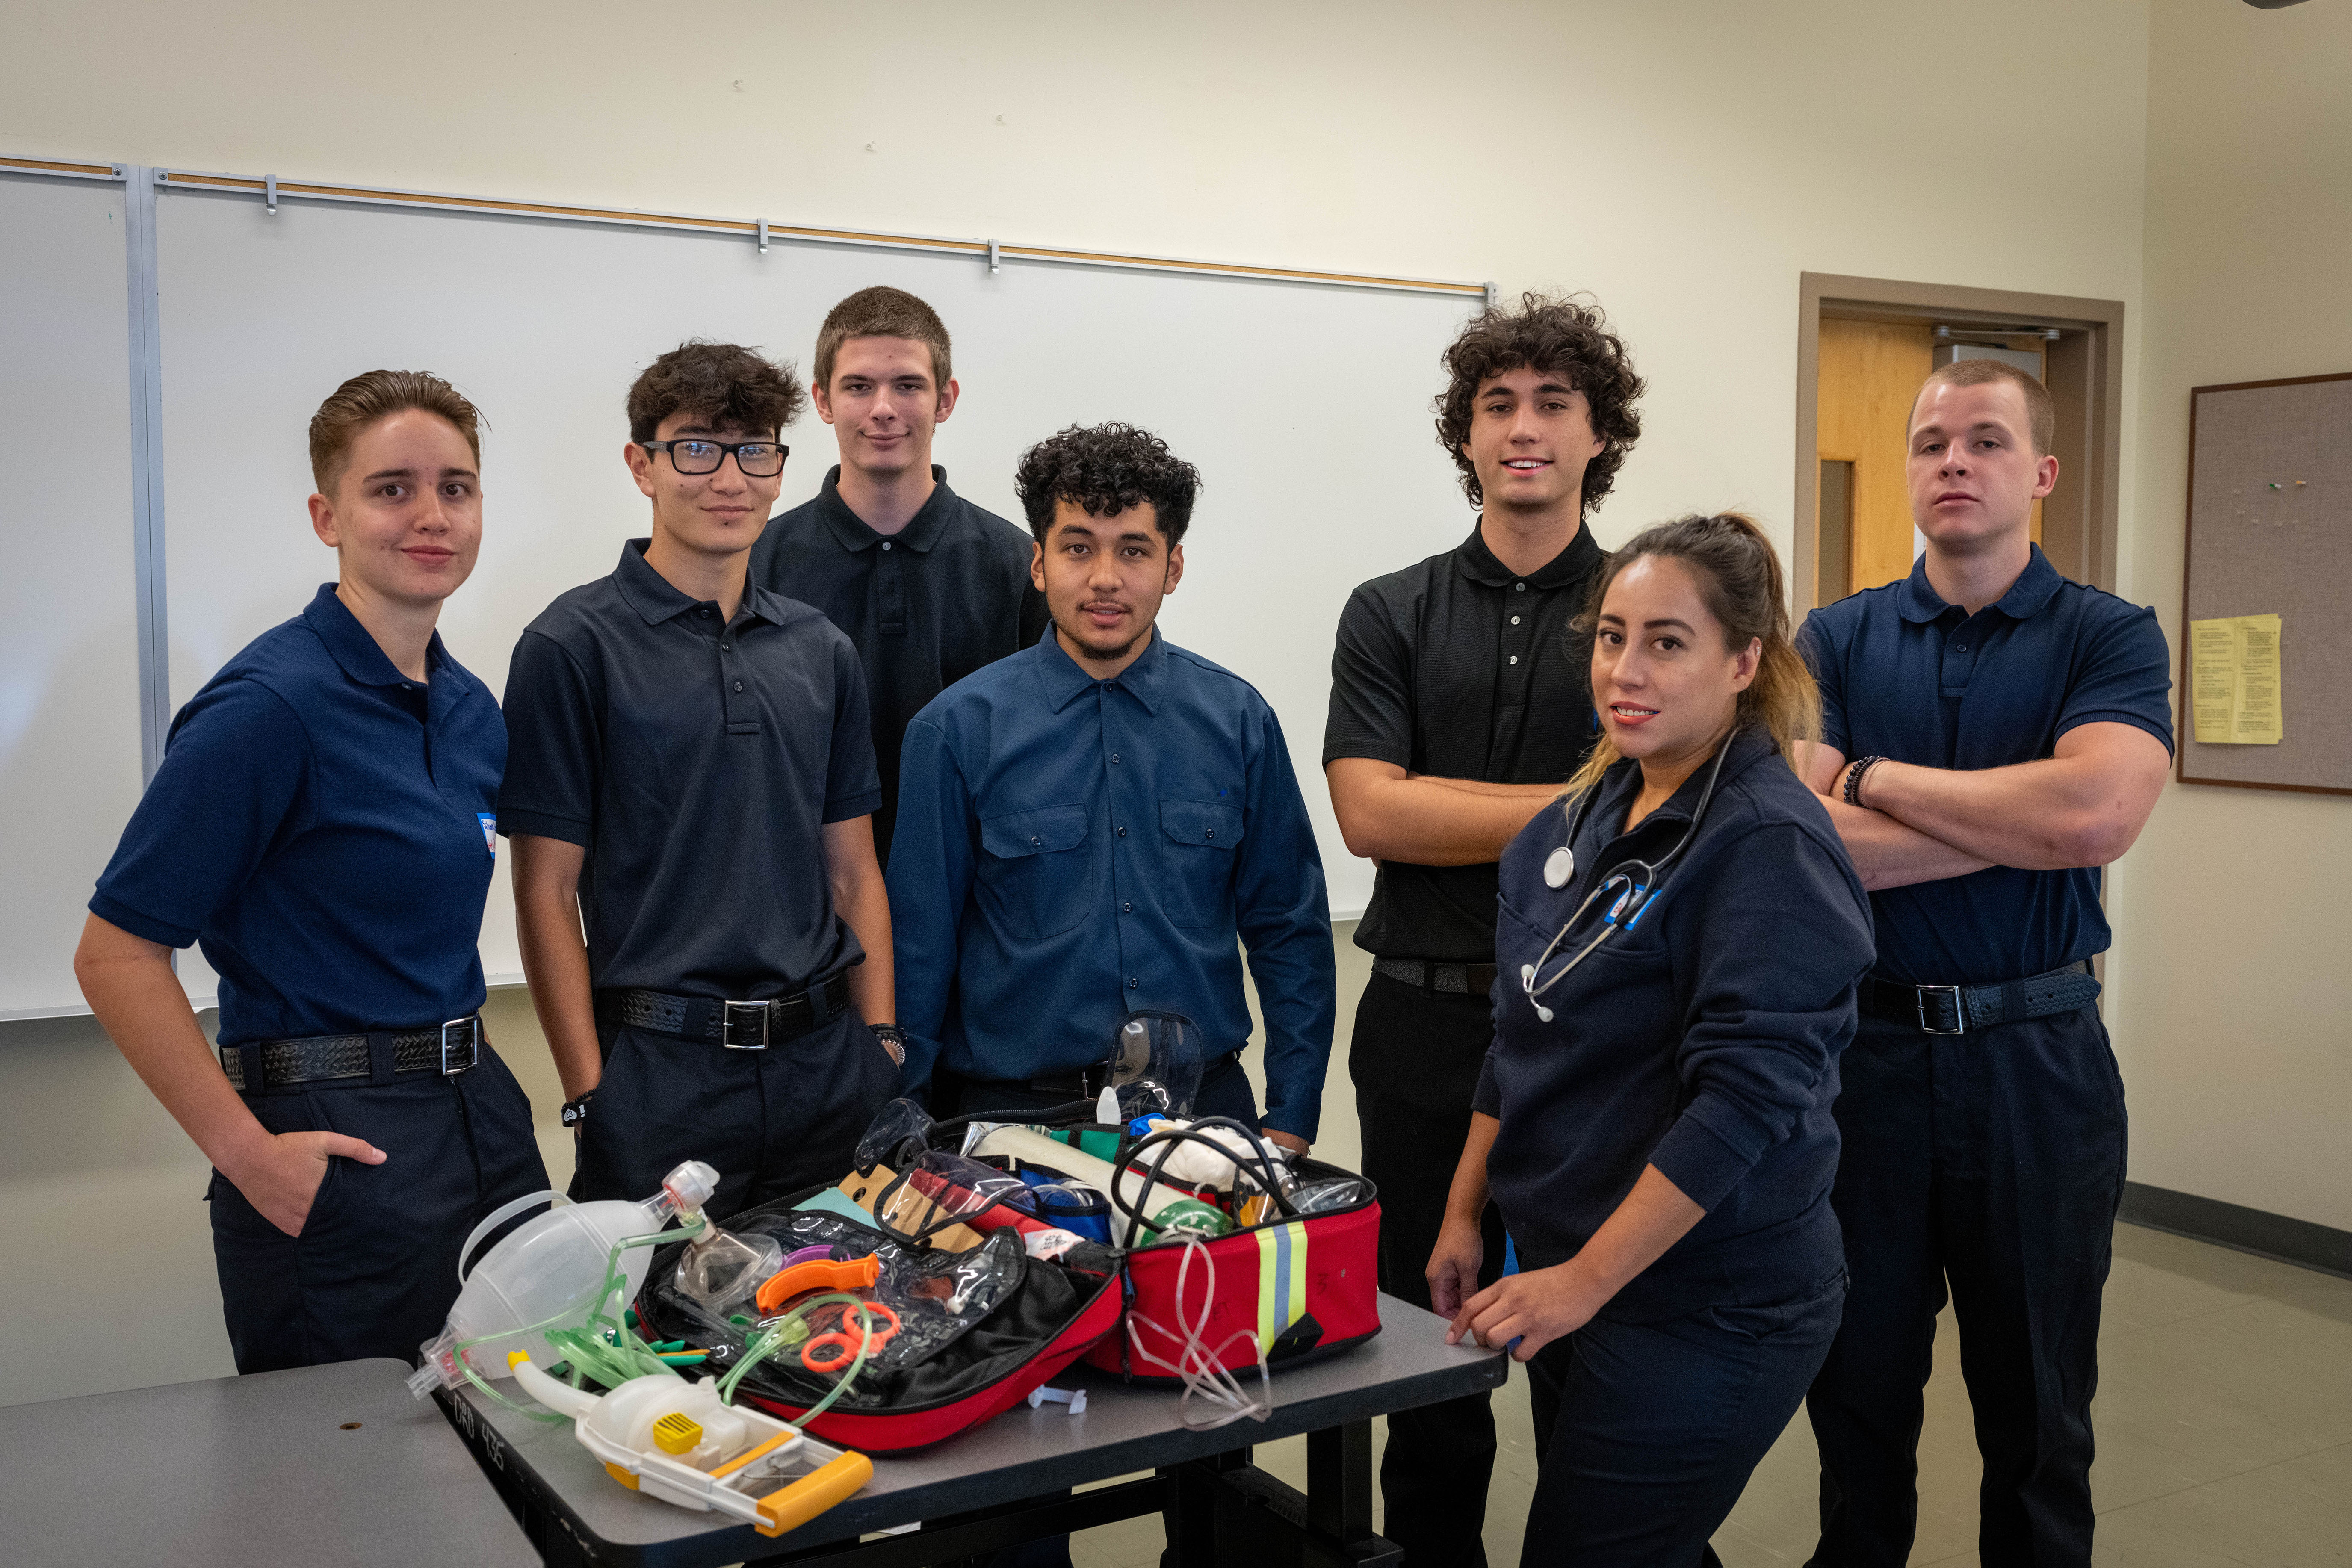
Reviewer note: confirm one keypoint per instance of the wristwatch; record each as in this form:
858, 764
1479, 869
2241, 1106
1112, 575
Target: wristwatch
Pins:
894, 1040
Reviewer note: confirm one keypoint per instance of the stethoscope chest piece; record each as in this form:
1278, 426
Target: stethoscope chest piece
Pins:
1559, 867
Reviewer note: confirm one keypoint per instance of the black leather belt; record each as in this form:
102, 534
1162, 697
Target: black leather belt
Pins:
737, 1025
1447, 979
1956, 1009
446, 1048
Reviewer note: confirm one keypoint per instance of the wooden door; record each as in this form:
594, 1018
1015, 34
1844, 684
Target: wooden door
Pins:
1870, 373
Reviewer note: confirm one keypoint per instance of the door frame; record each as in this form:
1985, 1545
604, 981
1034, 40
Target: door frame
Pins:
2084, 373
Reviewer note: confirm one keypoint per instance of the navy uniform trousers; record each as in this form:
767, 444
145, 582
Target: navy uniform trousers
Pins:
1646, 1432
1992, 1161
771, 1121
376, 1269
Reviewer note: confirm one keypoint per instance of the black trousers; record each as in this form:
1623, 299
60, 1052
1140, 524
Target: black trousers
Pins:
771, 1121
1414, 1059
376, 1269
1993, 1163
1647, 1432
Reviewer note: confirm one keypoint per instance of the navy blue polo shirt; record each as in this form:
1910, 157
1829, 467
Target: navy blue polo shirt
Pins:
323, 827
1703, 1040
1072, 850
1908, 676
697, 760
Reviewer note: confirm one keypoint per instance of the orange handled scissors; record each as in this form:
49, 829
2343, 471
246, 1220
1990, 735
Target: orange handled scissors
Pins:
846, 1341
817, 1274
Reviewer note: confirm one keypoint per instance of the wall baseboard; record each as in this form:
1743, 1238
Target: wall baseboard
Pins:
2265, 1235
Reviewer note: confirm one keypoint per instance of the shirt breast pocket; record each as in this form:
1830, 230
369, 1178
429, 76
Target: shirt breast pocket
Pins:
1032, 870
1202, 836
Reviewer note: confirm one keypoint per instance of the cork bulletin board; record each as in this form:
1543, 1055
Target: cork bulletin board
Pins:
2270, 533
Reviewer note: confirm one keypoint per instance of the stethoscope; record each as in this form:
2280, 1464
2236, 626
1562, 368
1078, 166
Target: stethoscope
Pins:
1638, 884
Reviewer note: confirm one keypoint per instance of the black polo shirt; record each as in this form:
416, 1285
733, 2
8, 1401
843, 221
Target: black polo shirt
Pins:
1457, 669
1906, 676
926, 606
696, 760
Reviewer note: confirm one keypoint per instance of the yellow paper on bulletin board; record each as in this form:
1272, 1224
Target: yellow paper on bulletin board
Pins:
2234, 680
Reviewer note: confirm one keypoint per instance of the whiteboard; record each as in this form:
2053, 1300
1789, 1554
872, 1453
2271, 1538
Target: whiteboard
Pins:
68, 620
1305, 409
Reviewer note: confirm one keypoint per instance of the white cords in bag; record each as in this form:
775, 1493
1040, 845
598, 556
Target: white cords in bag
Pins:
1199, 1367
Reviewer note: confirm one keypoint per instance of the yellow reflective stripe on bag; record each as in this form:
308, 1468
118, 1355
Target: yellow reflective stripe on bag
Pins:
1281, 1280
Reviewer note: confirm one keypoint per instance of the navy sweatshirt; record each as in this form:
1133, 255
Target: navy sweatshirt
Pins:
1703, 1040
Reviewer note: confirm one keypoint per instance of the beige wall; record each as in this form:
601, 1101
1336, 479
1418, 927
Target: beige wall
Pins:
2233, 991
1684, 162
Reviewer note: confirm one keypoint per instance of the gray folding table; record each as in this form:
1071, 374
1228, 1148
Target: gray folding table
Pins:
1009, 1479
324, 1464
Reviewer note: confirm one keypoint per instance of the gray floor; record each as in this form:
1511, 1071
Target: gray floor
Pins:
2224, 1420
2224, 1413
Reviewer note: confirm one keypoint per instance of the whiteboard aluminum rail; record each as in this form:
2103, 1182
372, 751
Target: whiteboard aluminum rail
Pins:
766, 232
146, 434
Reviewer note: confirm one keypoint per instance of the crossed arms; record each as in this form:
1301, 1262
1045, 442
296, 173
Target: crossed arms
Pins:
2083, 806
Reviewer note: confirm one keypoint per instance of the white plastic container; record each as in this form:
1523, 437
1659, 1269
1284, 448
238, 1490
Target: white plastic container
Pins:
549, 1273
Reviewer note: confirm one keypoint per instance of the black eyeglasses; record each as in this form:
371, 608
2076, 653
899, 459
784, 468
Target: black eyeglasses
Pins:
758, 459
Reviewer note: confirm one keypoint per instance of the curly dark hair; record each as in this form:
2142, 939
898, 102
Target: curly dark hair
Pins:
726, 384
1568, 336
1106, 468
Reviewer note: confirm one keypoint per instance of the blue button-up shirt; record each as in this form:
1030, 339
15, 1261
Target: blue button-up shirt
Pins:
1071, 850
1904, 675
322, 825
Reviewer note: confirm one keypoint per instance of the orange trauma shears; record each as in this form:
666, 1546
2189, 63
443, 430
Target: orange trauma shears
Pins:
842, 1346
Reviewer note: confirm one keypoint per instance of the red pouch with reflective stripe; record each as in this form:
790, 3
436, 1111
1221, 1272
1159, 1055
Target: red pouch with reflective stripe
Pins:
1299, 1289
1279, 1293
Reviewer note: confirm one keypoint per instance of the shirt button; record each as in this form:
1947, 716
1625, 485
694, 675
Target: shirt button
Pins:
1035, 841
727, 648
1515, 620
1522, 587
1127, 909
885, 544
738, 686
1122, 833
1132, 983
1514, 659
1114, 757
1213, 833
704, 612
1959, 648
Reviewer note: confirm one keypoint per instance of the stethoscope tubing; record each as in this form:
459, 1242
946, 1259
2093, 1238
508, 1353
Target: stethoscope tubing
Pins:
1639, 892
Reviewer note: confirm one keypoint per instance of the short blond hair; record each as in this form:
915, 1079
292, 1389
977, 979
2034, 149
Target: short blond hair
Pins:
2041, 412
379, 394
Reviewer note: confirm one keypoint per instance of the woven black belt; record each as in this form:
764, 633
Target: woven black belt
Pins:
737, 1025
1447, 979
446, 1048
1956, 1009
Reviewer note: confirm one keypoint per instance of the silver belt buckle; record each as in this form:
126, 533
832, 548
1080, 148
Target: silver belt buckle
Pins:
470, 1039
730, 1014
1959, 1010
